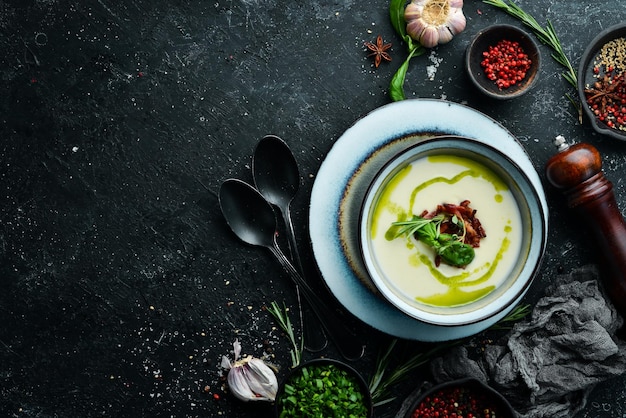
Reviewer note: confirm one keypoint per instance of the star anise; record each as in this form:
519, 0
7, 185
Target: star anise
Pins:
606, 92
378, 51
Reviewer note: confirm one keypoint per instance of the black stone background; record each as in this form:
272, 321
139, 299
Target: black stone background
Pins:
120, 284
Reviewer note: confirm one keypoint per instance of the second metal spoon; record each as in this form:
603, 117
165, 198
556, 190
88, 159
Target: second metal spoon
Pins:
277, 178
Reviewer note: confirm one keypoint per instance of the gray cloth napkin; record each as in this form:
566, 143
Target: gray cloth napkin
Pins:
549, 363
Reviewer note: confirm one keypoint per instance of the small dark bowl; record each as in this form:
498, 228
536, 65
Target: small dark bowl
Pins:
476, 388
586, 77
490, 36
363, 386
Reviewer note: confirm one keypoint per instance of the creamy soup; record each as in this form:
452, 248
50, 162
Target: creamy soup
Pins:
408, 265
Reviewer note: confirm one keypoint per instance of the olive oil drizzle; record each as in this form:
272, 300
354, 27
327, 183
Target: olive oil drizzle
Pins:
455, 295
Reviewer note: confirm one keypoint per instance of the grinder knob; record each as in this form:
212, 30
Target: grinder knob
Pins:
577, 171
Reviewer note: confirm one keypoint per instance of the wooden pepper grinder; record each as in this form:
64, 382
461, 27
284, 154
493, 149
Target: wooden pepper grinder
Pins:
577, 171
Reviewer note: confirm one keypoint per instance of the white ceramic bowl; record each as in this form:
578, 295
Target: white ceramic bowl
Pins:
407, 281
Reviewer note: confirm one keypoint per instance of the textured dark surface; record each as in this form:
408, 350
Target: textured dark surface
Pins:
120, 284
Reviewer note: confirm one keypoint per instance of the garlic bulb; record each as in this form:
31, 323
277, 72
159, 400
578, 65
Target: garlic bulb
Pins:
250, 379
433, 22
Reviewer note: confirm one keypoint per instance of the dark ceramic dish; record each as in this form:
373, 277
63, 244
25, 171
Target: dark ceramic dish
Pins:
323, 362
480, 391
490, 36
586, 77
514, 281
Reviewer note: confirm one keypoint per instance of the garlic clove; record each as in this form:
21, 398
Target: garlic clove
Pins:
239, 385
429, 37
444, 35
264, 383
415, 28
413, 10
250, 379
456, 21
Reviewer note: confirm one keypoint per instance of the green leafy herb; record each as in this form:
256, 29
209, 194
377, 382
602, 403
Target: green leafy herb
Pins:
518, 313
396, 13
450, 247
381, 382
546, 35
282, 317
322, 390
384, 377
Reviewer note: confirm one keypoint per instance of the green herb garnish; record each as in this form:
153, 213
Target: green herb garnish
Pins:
282, 317
450, 247
396, 13
322, 391
517, 314
385, 377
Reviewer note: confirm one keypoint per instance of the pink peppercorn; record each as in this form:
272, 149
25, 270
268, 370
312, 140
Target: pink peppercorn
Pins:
456, 402
505, 63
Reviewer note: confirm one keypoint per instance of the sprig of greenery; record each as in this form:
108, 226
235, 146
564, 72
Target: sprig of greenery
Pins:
546, 35
450, 247
381, 382
281, 316
396, 13
517, 314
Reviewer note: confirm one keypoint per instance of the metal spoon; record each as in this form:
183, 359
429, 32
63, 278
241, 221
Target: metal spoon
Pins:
253, 220
276, 176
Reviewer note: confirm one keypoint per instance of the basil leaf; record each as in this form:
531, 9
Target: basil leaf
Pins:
396, 13
457, 254
448, 246
396, 86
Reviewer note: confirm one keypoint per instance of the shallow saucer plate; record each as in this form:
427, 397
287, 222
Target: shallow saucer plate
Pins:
340, 186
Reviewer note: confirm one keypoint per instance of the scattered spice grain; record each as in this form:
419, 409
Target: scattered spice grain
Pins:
606, 97
612, 57
457, 402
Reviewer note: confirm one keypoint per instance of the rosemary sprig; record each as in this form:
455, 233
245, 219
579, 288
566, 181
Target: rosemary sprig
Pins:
282, 317
518, 313
380, 383
546, 35
449, 247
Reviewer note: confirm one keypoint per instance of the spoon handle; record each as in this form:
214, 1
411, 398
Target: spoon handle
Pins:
291, 234
346, 342
315, 338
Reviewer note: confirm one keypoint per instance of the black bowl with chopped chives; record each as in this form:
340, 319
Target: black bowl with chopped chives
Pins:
602, 82
323, 388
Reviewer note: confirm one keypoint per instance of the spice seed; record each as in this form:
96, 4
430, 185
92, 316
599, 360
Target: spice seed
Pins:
607, 96
505, 63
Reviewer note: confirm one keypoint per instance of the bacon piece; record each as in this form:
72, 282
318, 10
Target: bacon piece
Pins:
474, 230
